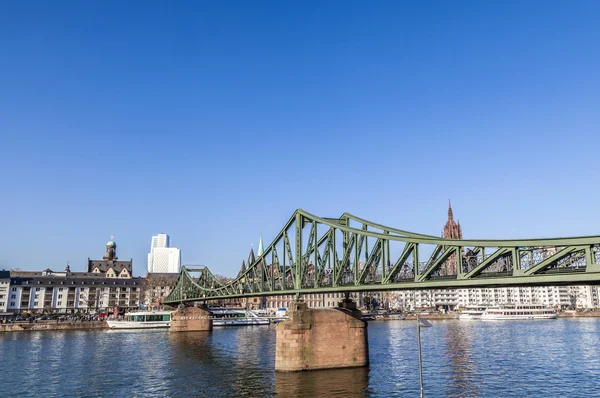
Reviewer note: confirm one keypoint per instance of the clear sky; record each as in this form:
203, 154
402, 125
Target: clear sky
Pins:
214, 121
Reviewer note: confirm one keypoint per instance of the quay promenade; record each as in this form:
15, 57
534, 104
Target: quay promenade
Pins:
52, 325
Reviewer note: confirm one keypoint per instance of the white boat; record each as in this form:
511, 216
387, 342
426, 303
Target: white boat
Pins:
472, 312
142, 320
237, 317
518, 311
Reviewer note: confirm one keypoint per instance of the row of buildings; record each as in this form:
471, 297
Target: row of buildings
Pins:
561, 297
108, 285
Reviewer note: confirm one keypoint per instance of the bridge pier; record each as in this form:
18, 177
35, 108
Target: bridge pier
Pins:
190, 319
321, 338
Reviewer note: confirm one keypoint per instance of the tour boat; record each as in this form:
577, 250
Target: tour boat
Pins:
518, 311
142, 320
237, 317
471, 312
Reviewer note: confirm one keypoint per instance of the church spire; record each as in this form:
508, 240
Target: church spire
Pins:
450, 214
260, 247
242, 269
251, 258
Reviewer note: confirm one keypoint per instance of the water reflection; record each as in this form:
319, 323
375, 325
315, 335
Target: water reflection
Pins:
504, 359
193, 345
350, 382
219, 361
458, 344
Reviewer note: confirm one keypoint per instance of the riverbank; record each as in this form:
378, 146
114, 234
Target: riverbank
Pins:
590, 314
406, 317
26, 326
454, 315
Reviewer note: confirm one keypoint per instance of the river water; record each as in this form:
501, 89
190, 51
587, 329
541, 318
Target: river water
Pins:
484, 359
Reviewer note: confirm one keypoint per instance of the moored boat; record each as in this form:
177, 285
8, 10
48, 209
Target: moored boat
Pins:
472, 312
518, 311
142, 320
237, 317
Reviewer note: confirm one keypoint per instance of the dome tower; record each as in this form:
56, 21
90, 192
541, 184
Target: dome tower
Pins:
111, 250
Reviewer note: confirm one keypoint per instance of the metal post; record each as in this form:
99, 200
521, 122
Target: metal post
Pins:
420, 361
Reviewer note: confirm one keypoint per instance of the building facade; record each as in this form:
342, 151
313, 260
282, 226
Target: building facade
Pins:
71, 292
110, 266
108, 283
4, 289
163, 258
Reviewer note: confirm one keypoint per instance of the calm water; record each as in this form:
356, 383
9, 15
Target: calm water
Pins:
487, 359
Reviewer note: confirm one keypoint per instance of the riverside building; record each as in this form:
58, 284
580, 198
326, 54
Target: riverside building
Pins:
107, 284
4, 288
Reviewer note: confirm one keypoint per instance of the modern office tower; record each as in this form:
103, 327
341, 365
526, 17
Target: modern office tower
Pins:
162, 258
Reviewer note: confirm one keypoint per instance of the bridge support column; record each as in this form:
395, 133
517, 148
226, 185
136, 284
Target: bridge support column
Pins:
190, 319
321, 338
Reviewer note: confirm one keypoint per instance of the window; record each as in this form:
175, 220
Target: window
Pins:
37, 289
14, 289
35, 303
60, 296
1, 303
60, 289
13, 296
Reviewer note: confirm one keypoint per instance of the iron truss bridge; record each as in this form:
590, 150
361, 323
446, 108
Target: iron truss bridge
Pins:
320, 255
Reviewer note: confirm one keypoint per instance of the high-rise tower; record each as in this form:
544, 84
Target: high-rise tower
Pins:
162, 257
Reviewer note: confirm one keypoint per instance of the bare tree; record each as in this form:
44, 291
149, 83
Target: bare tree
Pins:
155, 287
224, 279
87, 300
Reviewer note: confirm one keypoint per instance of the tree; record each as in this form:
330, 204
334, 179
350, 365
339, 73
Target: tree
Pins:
87, 299
156, 287
224, 280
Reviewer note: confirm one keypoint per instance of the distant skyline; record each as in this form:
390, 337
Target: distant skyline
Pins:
216, 121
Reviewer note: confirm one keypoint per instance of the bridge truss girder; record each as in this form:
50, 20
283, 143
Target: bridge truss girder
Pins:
322, 255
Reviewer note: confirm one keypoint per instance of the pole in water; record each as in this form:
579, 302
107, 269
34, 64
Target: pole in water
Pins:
425, 323
420, 361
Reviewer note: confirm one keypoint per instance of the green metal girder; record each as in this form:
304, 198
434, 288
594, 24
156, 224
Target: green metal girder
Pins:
371, 260
550, 260
261, 278
487, 262
408, 248
544, 279
346, 258
437, 263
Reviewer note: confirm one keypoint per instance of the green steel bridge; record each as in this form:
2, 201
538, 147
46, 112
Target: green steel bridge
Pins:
347, 254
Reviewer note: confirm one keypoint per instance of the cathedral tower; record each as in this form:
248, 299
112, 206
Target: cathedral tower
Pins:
452, 230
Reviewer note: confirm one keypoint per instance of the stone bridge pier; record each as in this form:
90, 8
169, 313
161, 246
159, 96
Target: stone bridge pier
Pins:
190, 319
321, 338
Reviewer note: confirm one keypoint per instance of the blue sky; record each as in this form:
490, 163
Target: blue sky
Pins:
212, 122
